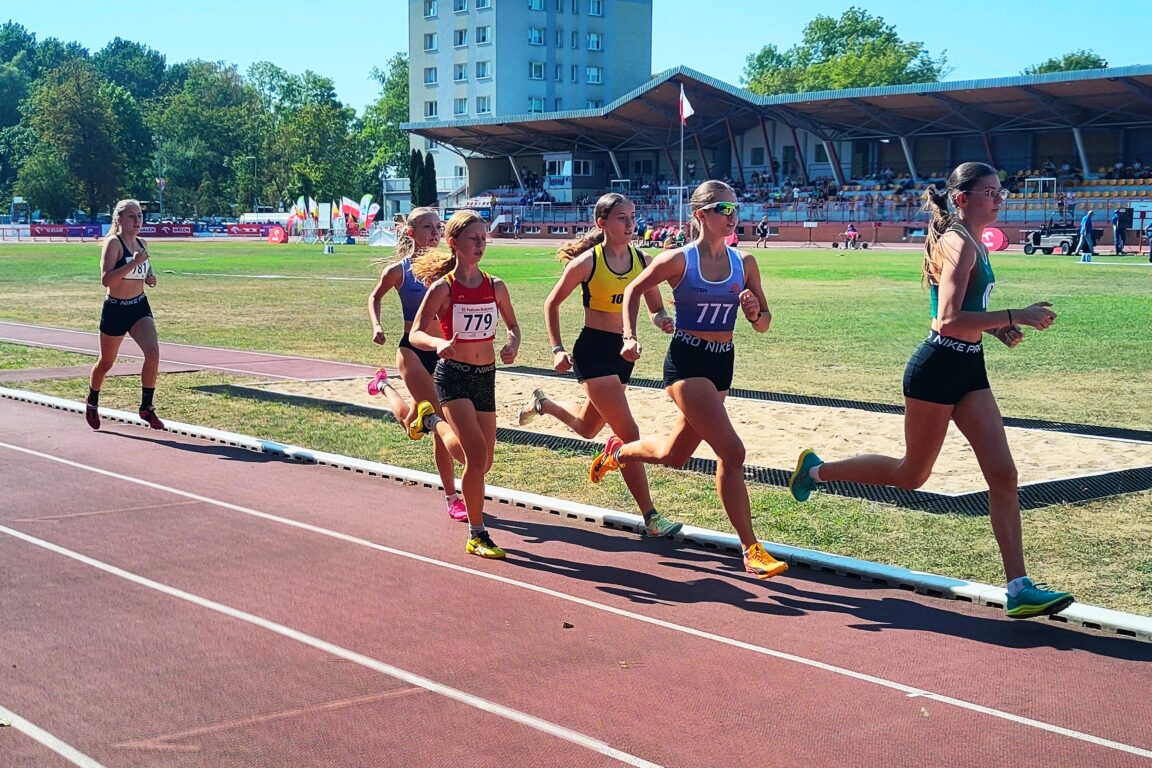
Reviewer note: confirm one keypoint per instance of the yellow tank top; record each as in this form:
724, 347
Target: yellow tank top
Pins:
604, 289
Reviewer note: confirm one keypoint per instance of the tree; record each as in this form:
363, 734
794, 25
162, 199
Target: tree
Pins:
415, 174
45, 181
136, 67
383, 146
52, 54
428, 193
857, 50
68, 117
1069, 62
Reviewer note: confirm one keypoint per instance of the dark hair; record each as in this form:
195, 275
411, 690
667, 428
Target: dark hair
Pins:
936, 203
594, 236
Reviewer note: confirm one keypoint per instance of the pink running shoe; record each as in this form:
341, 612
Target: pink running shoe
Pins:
377, 383
456, 510
151, 418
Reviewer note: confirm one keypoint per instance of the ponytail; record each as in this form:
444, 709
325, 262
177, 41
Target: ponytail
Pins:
574, 248
940, 218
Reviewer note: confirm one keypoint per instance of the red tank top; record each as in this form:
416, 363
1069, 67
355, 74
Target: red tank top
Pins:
472, 311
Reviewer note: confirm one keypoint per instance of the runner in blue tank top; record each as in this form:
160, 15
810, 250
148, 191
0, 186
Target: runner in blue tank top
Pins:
712, 285
946, 380
421, 231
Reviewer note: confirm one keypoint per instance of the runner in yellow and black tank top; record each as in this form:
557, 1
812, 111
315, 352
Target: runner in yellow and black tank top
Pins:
604, 289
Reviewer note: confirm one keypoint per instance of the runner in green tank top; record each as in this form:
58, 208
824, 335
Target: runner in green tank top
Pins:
946, 381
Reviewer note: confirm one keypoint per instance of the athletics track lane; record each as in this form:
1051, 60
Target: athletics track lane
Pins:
133, 676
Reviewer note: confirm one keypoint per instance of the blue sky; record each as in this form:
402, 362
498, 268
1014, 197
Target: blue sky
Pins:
982, 38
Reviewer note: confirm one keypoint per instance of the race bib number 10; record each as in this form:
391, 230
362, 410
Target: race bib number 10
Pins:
474, 322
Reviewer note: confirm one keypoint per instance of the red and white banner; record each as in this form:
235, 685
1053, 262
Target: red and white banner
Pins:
994, 239
168, 230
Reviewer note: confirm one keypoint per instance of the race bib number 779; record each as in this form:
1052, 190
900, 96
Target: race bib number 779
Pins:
474, 322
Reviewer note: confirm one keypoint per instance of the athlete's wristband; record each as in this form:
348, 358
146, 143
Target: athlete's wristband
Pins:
558, 348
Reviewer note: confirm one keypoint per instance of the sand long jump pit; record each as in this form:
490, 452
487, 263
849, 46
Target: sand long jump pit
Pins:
1057, 463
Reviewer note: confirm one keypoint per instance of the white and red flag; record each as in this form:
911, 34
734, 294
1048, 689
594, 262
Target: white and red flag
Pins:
686, 110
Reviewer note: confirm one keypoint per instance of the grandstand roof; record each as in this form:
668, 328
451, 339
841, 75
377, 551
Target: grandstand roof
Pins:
648, 117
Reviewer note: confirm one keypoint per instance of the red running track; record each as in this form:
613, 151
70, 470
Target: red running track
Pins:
170, 602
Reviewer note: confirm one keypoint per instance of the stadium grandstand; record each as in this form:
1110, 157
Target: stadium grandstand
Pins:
1064, 143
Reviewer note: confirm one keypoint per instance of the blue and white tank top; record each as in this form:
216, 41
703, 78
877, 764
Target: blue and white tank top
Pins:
702, 305
411, 291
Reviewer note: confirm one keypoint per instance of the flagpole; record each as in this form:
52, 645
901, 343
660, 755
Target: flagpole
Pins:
680, 192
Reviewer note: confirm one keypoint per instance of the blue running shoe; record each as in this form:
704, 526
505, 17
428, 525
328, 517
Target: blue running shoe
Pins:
1037, 600
801, 483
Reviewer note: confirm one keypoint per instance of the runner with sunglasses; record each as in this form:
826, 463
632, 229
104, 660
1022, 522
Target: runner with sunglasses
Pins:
421, 231
946, 381
603, 262
467, 303
711, 285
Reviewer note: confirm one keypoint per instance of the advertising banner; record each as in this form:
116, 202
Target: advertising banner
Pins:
65, 230
168, 230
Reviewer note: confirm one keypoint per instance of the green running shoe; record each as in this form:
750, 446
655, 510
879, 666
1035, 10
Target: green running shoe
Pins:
801, 483
1037, 600
661, 527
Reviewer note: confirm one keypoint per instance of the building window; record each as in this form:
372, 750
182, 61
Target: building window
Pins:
559, 6
535, 70
460, 38
430, 109
460, 6
595, 7
559, 38
431, 145
559, 73
575, 73
460, 73
595, 75
642, 168
483, 4
535, 36
535, 5
460, 106
581, 168
483, 105
483, 70
535, 103
595, 41
429, 8
430, 41
556, 106
483, 35
594, 104
575, 6
430, 76
575, 39
757, 155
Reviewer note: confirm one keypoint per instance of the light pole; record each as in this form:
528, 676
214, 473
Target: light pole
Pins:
253, 159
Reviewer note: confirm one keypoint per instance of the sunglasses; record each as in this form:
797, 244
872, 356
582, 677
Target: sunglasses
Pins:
724, 209
991, 193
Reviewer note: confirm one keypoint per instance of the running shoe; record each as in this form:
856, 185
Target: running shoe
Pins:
481, 545
606, 461
92, 415
659, 526
149, 415
1037, 600
457, 510
417, 428
759, 562
801, 483
376, 386
532, 408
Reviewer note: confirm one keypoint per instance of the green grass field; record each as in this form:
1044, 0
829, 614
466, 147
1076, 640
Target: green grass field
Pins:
844, 325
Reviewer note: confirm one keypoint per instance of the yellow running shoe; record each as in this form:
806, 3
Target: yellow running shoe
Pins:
416, 428
759, 562
606, 460
482, 545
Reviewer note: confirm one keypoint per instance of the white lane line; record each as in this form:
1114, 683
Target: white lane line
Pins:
515, 715
66, 751
907, 690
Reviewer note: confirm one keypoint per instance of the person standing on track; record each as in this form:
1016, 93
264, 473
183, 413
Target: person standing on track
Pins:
946, 381
421, 231
125, 269
467, 302
711, 285
603, 262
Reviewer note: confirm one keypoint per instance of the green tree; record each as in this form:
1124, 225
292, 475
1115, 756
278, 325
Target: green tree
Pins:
415, 176
52, 54
428, 193
14, 84
45, 181
14, 40
857, 50
136, 67
1069, 62
68, 117
382, 146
